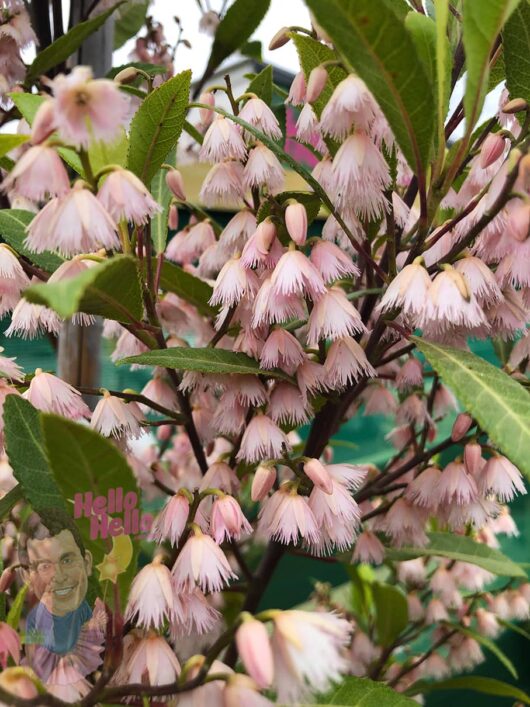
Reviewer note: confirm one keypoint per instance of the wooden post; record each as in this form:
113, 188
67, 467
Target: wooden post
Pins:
79, 349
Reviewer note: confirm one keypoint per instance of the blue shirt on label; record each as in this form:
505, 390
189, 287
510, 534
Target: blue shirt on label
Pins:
58, 634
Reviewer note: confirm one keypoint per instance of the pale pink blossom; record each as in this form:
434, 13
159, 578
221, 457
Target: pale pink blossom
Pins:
500, 477
368, 548
379, 400
308, 650
74, 223
222, 141
254, 649
262, 440
124, 196
295, 274
350, 102
436, 612
51, 394
286, 517
245, 389
193, 614
44, 122
405, 524
288, 406
297, 90
338, 518
223, 184
31, 320
346, 362
259, 248
479, 278
9, 645
127, 345
263, 168
257, 113
114, 417
451, 302
307, 124
415, 607
311, 378
87, 109
359, 160
333, 317
227, 521
465, 654
67, 683
408, 290
270, 307
423, 489
455, 485
351, 476
238, 230
13, 279
410, 374
9, 368
487, 624
413, 410
282, 350
201, 562
150, 603
332, 262
262, 482
242, 690
171, 521
153, 662
233, 282
37, 174
296, 222
192, 242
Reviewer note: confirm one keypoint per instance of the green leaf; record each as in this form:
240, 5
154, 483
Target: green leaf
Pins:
162, 194
499, 404
240, 21
444, 62
9, 142
372, 40
156, 126
15, 612
516, 45
102, 154
482, 23
202, 360
478, 683
13, 224
8, 501
261, 85
392, 614
462, 549
490, 645
252, 50
512, 627
311, 202
65, 46
362, 692
151, 69
83, 461
129, 22
28, 457
497, 72
190, 288
110, 289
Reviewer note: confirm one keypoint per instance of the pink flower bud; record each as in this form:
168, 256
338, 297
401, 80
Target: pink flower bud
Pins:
265, 235
492, 149
296, 222
176, 184
461, 425
280, 38
255, 651
206, 115
44, 122
173, 217
315, 83
263, 481
473, 458
319, 475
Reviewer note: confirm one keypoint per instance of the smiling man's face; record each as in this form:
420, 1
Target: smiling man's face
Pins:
58, 572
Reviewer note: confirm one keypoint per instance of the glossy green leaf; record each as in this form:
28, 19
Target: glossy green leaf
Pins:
500, 405
15, 612
362, 692
444, 61
261, 85
236, 27
462, 549
162, 194
490, 645
83, 461
102, 154
28, 456
110, 289
13, 223
10, 500
192, 289
391, 612
253, 50
129, 21
482, 23
372, 40
514, 627
65, 46
516, 45
202, 360
9, 142
156, 126
477, 683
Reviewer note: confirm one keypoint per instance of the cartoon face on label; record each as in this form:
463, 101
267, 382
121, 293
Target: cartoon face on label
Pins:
58, 572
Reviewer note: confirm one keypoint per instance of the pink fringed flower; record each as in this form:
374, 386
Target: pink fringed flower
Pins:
450, 302
260, 246
223, 184
368, 548
407, 290
150, 601
88, 109
269, 307
262, 440
455, 485
500, 477
332, 262
125, 196
113, 417
222, 141
201, 562
257, 113
345, 362
350, 101
227, 521
38, 173
410, 375
31, 320
153, 662
282, 350
286, 517
287, 405
333, 317
233, 282
423, 489
171, 521
9, 645
13, 279
193, 614
263, 168
405, 524
51, 394
75, 223
295, 274
9, 368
